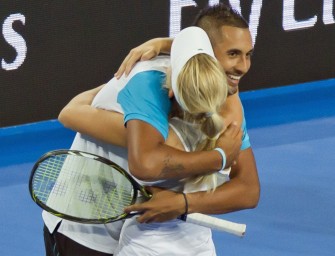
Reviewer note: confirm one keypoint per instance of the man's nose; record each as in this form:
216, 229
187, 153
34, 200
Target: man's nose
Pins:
243, 64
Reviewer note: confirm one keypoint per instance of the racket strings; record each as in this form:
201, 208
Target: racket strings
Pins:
82, 187
112, 204
45, 178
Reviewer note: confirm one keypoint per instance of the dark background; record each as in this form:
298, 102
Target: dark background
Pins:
76, 45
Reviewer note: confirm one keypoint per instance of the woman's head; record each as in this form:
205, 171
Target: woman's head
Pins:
198, 82
202, 90
200, 87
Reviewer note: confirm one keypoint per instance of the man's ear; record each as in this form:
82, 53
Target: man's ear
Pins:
171, 94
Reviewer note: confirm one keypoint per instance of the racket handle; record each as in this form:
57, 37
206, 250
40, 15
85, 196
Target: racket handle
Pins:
217, 224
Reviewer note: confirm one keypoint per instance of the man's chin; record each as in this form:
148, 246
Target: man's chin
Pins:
232, 89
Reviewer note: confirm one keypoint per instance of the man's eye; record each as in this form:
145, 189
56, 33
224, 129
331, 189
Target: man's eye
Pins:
250, 54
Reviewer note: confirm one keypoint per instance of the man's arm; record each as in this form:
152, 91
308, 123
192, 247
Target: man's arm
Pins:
150, 159
241, 192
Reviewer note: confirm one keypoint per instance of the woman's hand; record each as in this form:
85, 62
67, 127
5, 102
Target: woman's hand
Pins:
145, 51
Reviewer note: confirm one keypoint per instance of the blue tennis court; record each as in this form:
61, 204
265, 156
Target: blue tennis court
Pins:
292, 130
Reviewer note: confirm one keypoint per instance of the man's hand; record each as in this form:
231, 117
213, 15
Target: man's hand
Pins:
230, 141
164, 205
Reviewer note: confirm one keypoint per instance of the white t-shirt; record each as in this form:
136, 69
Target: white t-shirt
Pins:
174, 237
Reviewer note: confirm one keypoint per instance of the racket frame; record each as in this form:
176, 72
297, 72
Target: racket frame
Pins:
110, 163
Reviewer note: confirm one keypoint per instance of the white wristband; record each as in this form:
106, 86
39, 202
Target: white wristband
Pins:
223, 155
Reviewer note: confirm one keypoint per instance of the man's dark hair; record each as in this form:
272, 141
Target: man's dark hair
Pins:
212, 18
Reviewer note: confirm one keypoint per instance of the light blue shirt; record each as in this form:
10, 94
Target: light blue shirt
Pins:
144, 98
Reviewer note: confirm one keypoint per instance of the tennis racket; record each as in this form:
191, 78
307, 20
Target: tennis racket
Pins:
87, 188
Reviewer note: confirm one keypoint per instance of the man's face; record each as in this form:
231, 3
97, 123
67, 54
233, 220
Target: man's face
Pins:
234, 53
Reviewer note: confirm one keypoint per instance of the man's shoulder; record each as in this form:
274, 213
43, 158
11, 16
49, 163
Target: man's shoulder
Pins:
146, 82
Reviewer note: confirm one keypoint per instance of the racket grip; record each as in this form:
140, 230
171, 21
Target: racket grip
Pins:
217, 224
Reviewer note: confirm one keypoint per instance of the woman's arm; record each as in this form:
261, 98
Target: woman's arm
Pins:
104, 125
145, 51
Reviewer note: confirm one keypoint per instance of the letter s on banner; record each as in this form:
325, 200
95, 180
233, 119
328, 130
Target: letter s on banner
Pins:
15, 40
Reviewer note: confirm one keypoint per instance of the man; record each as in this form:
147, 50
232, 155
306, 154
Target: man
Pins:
239, 193
232, 44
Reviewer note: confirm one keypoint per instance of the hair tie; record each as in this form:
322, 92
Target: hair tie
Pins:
209, 114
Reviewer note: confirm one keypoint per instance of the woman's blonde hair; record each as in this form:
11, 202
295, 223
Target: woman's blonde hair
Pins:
202, 90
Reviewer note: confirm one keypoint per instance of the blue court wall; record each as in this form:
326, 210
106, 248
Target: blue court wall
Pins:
265, 107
